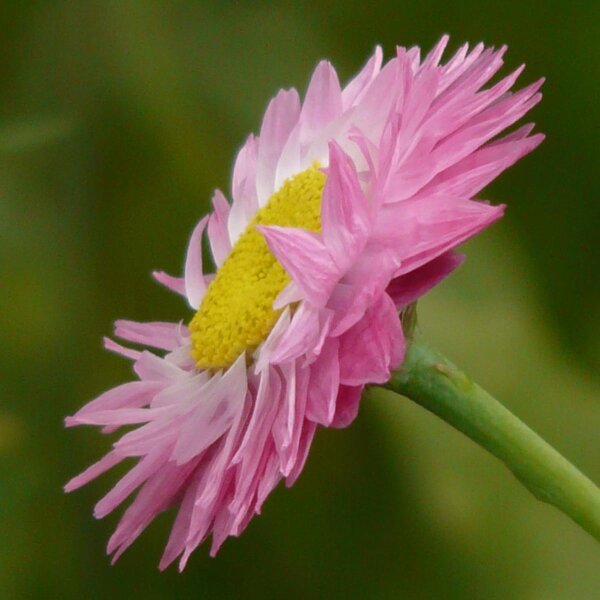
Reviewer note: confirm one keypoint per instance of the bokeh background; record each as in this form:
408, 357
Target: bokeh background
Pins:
117, 120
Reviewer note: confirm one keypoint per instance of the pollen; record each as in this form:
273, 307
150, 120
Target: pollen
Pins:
236, 313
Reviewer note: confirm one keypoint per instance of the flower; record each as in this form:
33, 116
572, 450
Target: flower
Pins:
346, 209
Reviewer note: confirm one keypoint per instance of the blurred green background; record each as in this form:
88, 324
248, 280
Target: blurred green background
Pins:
117, 120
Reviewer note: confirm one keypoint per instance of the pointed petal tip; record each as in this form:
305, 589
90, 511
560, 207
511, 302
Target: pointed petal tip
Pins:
70, 486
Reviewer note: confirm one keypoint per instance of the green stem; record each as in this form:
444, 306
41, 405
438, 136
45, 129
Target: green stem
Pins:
430, 380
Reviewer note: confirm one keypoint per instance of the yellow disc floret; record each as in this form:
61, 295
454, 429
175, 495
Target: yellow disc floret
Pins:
236, 313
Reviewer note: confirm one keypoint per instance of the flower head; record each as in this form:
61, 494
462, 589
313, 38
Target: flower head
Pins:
345, 209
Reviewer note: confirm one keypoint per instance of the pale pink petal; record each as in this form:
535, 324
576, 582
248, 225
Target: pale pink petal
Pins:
213, 414
133, 394
289, 295
175, 284
150, 367
195, 284
262, 356
130, 482
245, 200
303, 334
281, 117
323, 102
104, 464
354, 91
166, 336
113, 346
218, 236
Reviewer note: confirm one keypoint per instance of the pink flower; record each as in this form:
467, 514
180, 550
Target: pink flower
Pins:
346, 209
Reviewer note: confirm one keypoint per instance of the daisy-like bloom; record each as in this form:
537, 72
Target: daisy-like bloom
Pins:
345, 209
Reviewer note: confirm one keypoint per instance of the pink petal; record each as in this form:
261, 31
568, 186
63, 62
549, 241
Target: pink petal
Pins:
323, 102
113, 346
306, 260
150, 367
130, 482
306, 438
179, 531
420, 230
156, 495
348, 403
213, 414
410, 287
252, 447
324, 385
262, 355
133, 394
344, 211
302, 335
470, 175
175, 284
166, 336
354, 91
104, 464
281, 117
373, 347
434, 56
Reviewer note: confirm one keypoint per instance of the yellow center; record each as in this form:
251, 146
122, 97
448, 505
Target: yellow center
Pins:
236, 313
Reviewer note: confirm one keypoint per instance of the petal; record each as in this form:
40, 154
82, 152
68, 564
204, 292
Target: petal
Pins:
113, 346
149, 366
356, 88
262, 355
130, 482
419, 230
306, 438
195, 284
218, 235
323, 102
166, 336
104, 464
280, 118
373, 347
348, 403
344, 210
306, 260
470, 175
156, 495
410, 287
134, 394
434, 56
175, 284
213, 414
324, 385
245, 201
303, 333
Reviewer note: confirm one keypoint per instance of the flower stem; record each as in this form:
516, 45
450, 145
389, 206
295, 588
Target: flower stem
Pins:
429, 379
